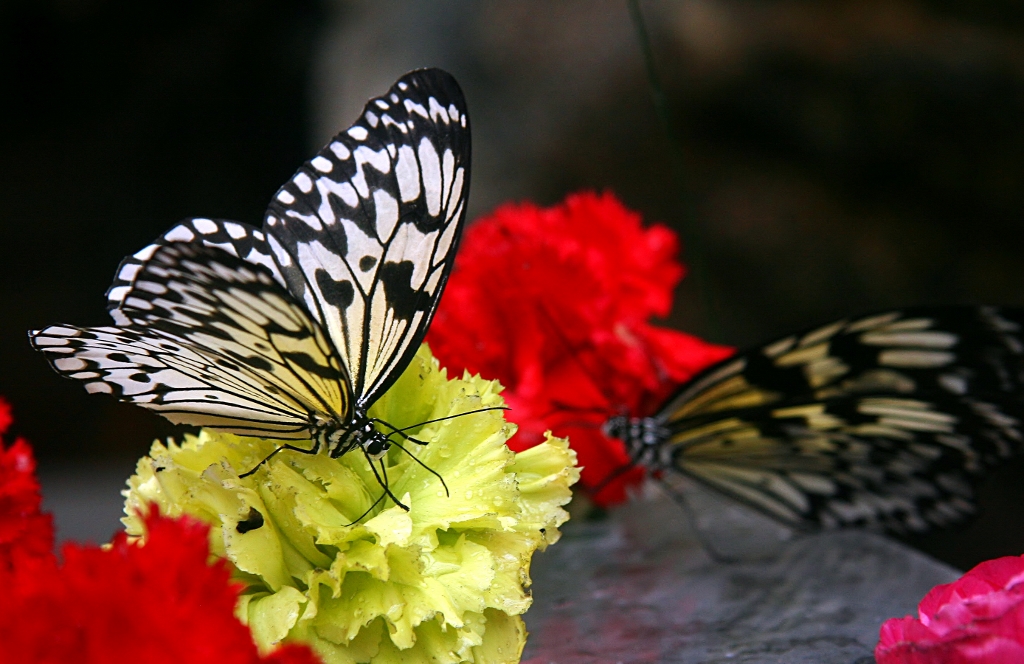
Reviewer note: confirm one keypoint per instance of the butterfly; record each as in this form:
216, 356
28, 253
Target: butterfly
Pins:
885, 420
293, 331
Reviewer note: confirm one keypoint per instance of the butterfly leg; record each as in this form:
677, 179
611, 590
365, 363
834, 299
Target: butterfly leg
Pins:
383, 482
293, 448
370, 509
713, 552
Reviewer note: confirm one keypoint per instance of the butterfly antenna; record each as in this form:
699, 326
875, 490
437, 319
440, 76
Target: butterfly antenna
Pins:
581, 424
691, 229
360, 518
560, 406
395, 429
300, 450
428, 468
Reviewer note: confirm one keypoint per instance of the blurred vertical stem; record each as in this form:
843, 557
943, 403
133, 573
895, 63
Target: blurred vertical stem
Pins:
693, 240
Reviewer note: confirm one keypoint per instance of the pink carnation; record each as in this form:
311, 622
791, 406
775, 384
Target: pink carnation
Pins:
978, 618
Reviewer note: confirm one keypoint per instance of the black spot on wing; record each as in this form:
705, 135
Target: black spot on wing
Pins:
366, 263
309, 365
764, 373
340, 294
397, 281
254, 361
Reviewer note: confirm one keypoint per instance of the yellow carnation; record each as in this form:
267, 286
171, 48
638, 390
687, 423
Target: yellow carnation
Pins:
444, 582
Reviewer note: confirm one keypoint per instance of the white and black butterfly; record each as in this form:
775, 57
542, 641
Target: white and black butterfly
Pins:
292, 332
884, 420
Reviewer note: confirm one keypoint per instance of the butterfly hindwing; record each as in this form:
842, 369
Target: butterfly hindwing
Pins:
170, 378
211, 340
238, 239
898, 463
365, 233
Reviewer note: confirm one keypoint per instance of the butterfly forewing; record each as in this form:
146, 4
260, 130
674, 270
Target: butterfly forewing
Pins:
365, 233
903, 464
212, 340
950, 350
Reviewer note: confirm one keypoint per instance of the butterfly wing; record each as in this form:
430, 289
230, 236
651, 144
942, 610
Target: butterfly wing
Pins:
945, 350
365, 233
210, 340
902, 464
882, 420
238, 239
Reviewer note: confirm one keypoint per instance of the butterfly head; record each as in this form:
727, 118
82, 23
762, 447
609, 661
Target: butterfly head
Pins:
374, 442
642, 435
616, 427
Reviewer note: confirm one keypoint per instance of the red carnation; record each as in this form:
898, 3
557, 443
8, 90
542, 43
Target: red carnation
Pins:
5, 416
155, 603
26, 533
554, 303
977, 619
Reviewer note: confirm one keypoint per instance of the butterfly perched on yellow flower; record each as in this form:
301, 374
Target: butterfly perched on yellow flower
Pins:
292, 331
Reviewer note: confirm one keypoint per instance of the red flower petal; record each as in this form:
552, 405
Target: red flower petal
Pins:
554, 303
155, 603
161, 602
26, 533
977, 618
5, 416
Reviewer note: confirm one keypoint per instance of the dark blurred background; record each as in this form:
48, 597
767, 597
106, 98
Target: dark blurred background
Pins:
837, 158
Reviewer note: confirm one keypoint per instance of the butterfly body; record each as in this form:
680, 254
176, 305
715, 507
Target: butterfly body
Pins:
885, 420
292, 332
340, 436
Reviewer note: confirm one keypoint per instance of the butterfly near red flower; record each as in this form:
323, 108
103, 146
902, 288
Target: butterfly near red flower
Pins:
555, 303
884, 420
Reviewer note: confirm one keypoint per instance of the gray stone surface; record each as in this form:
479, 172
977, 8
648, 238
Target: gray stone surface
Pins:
640, 588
